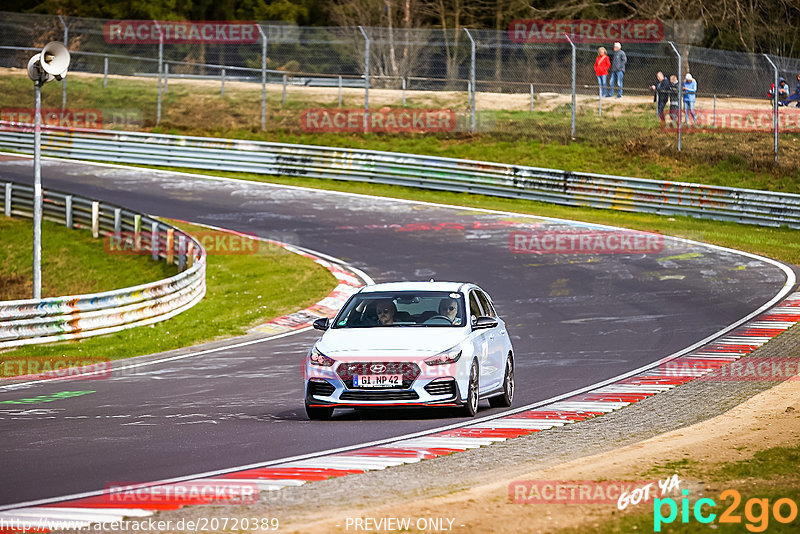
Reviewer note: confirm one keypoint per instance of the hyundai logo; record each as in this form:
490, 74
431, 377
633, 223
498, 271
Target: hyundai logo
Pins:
377, 368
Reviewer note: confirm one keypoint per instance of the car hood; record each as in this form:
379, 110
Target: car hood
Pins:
390, 342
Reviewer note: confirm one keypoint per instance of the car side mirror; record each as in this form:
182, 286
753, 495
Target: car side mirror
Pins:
484, 322
322, 324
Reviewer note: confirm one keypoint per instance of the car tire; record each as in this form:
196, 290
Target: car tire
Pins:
505, 400
471, 402
316, 413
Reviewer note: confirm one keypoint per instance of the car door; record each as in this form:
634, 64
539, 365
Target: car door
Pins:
480, 341
495, 367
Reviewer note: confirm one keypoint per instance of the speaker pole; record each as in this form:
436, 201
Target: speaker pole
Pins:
37, 193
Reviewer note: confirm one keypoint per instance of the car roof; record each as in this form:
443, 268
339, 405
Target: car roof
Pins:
416, 286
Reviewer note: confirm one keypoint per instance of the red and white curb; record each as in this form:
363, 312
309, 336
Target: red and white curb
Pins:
147, 500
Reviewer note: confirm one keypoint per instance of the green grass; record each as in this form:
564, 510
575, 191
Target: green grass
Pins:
242, 291
778, 243
72, 262
771, 474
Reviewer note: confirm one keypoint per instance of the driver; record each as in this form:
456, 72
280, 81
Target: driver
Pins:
448, 308
386, 311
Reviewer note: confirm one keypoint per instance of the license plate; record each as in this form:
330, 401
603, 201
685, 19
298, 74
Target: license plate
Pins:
377, 381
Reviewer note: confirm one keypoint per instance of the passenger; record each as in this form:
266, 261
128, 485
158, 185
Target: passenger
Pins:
448, 308
386, 311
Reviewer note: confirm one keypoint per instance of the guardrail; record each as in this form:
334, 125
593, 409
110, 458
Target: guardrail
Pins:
26, 322
747, 206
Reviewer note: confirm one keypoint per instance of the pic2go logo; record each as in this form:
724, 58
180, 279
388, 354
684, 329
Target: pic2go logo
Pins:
756, 511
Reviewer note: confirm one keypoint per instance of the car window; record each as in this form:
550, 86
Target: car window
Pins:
402, 308
486, 304
474, 308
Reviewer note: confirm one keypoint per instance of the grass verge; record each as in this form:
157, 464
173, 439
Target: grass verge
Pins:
73, 262
242, 291
772, 475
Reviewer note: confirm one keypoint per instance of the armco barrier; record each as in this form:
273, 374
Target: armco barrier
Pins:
447, 174
26, 322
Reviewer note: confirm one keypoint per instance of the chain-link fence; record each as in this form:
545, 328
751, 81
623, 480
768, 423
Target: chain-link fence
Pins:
353, 79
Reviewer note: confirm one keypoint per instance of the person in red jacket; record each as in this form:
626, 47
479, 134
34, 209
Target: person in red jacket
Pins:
601, 65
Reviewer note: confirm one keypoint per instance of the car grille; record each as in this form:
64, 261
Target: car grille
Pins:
385, 395
409, 370
442, 387
323, 389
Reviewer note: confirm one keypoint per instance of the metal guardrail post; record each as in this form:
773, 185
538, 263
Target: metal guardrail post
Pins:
775, 123
572, 129
170, 248
181, 252
95, 219
366, 79
68, 211
472, 85
9, 191
117, 221
263, 77
160, 69
137, 232
154, 240
64, 81
680, 94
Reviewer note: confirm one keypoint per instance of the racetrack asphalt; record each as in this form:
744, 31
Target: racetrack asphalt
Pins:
575, 319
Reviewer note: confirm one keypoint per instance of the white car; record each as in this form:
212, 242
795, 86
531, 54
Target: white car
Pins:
406, 344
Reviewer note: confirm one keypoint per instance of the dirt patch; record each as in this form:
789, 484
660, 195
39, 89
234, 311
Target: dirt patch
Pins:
15, 286
735, 435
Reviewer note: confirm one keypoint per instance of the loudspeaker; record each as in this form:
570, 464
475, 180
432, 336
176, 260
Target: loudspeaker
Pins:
51, 64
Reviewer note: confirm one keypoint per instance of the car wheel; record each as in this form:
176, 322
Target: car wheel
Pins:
318, 414
504, 400
471, 403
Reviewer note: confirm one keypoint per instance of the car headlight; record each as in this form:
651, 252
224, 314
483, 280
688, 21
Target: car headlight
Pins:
317, 358
448, 356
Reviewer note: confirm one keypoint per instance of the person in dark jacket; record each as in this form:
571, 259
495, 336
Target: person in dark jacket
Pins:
674, 103
661, 94
794, 97
618, 62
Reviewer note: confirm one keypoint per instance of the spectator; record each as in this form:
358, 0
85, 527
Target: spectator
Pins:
674, 104
794, 97
617, 69
601, 65
661, 94
689, 97
783, 91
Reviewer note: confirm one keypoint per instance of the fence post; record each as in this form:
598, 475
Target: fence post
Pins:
160, 69
263, 77
64, 81
95, 219
366, 79
105, 72
572, 130
181, 252
137, 231
154, 240
472, 84
680, 93
714, 120
68, 211
774, 106
166, 77
37, 192
340, 90
7, 206
404, 90
170, 245
283, 99
531, 97
222, 90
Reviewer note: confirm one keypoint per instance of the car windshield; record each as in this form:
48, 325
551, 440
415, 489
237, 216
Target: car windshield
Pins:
403, 308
